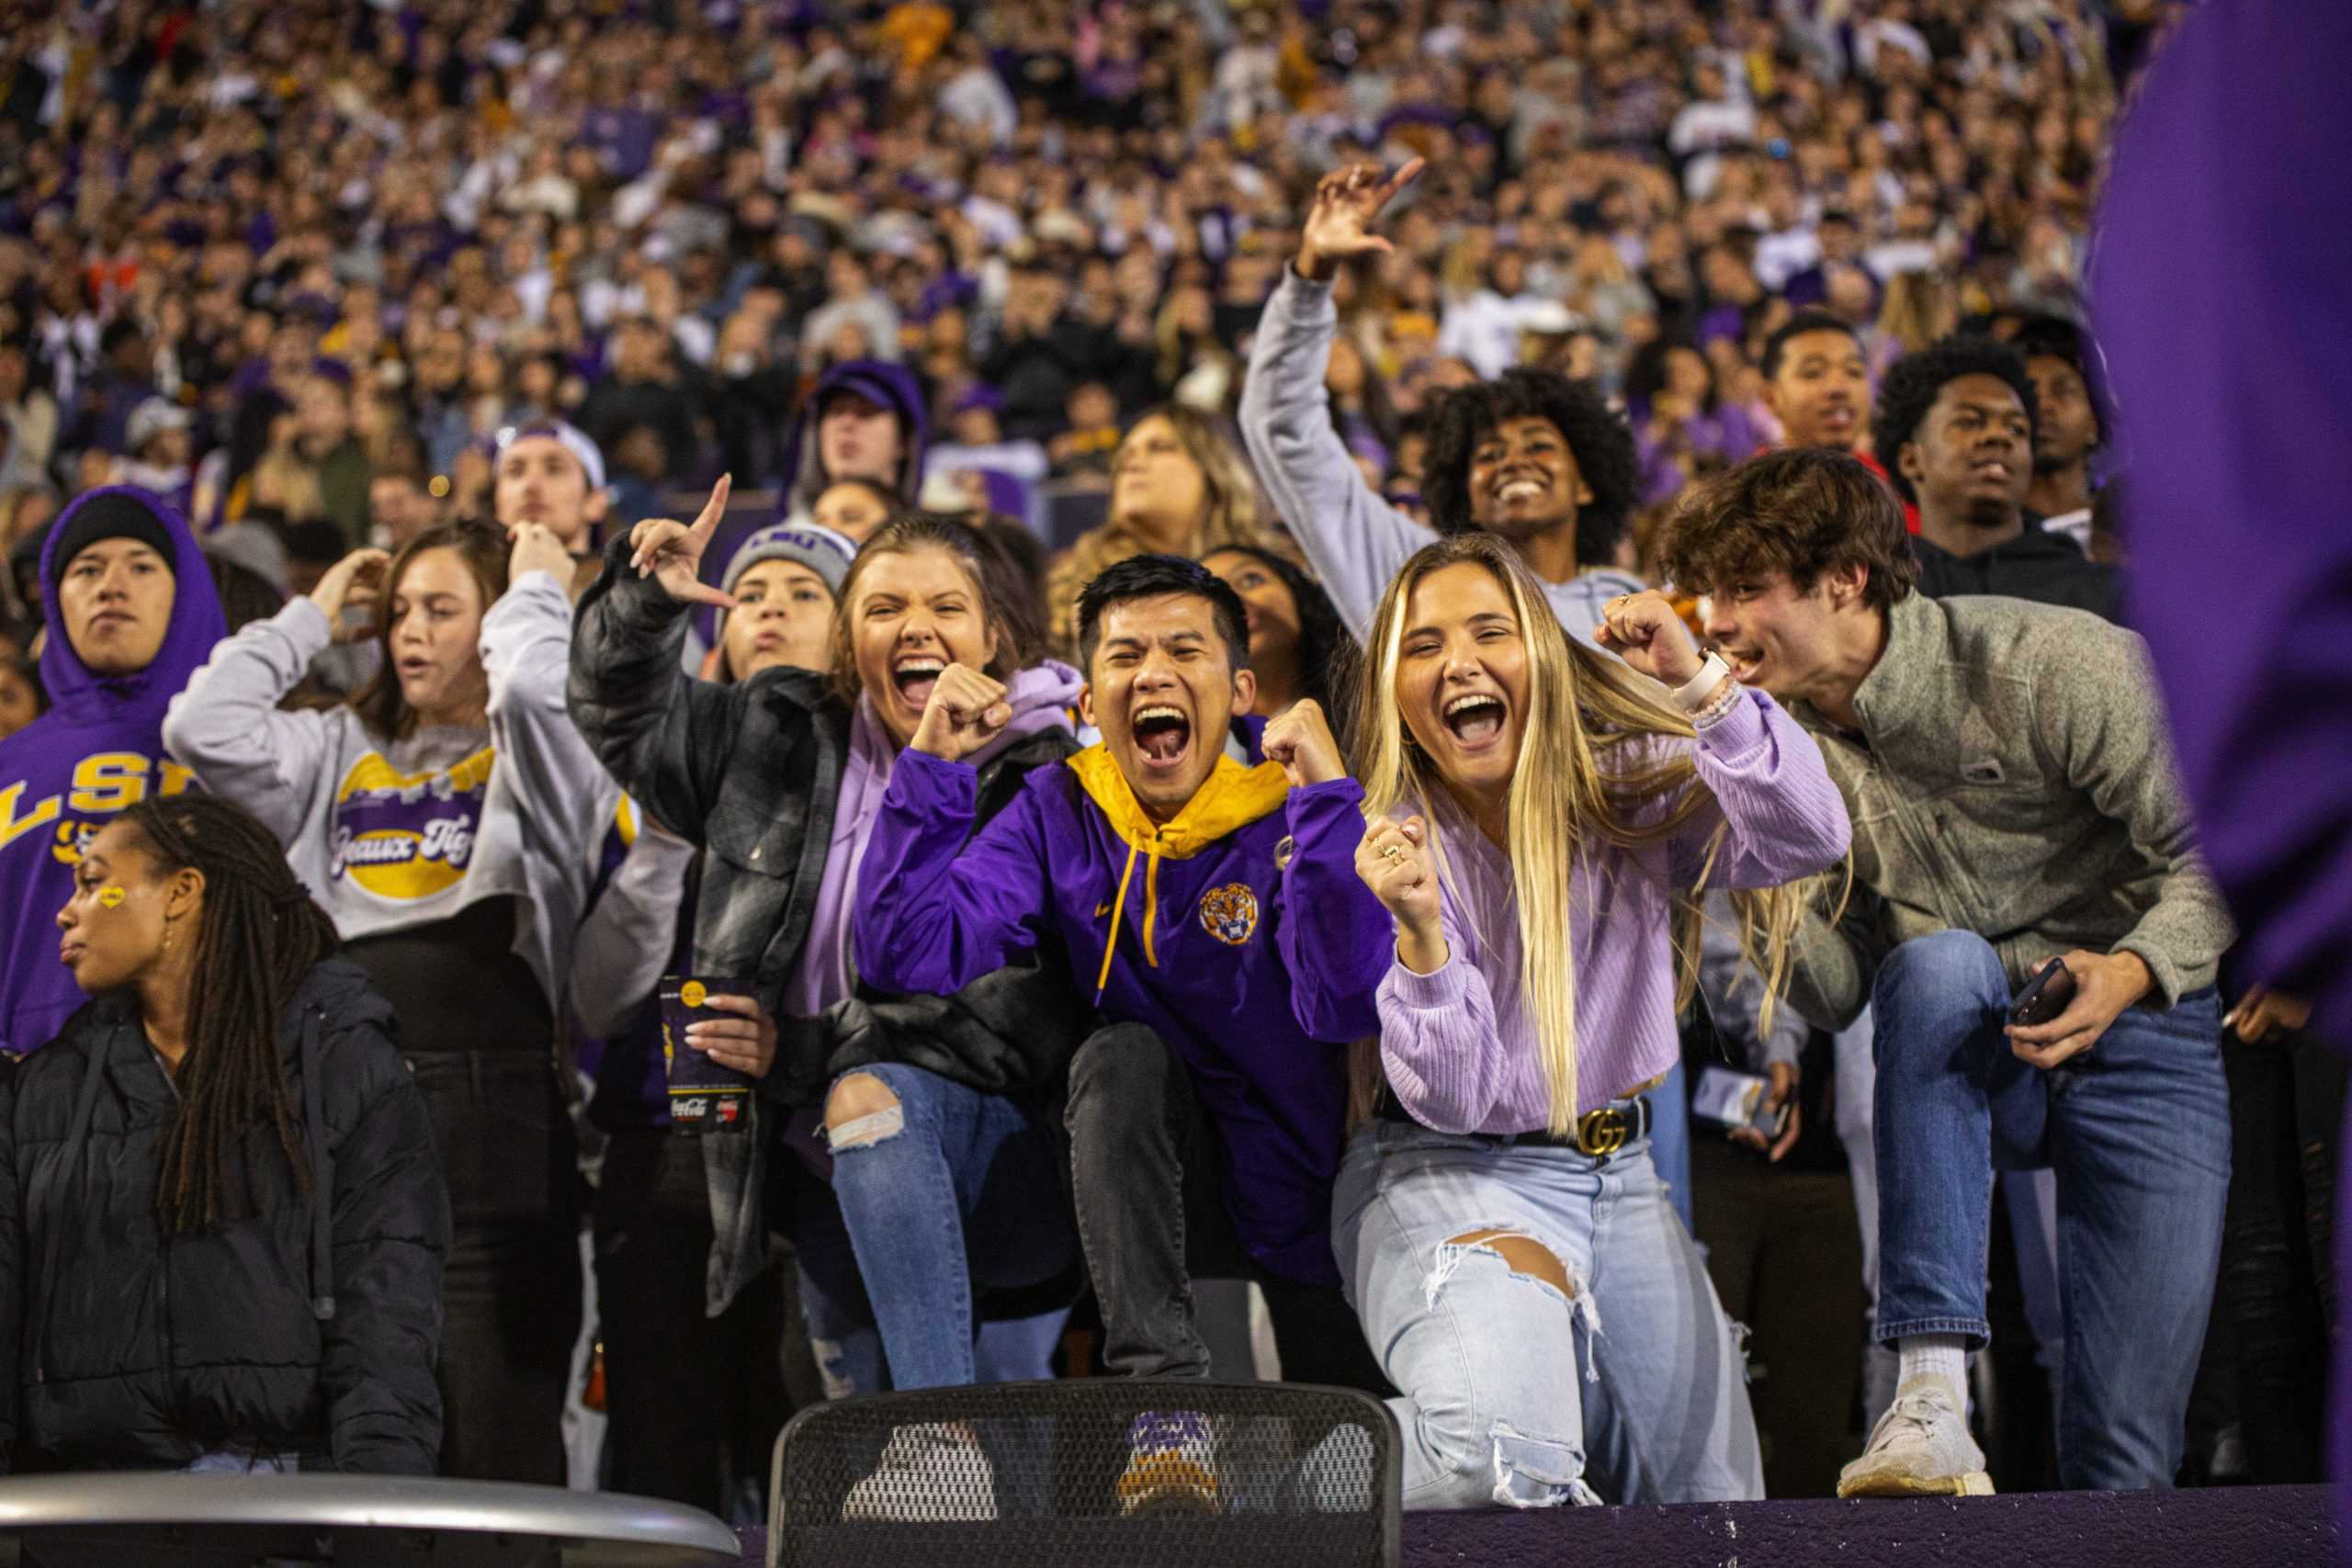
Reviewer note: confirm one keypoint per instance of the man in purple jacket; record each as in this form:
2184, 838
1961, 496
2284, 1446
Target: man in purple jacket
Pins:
1179, 879
130, 612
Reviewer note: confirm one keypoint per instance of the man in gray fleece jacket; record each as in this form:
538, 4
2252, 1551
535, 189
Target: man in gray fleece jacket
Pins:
2014, 802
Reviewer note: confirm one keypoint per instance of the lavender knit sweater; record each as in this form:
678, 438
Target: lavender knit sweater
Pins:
1458, 1046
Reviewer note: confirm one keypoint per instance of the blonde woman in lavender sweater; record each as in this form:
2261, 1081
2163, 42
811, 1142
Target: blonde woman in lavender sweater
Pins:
1540, 819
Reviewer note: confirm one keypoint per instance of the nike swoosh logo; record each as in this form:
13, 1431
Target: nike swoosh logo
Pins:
1101, 910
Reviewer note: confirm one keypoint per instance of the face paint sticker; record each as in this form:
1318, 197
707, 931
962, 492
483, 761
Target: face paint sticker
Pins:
111, 895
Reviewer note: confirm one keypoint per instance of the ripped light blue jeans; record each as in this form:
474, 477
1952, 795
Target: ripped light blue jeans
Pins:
1631, 1389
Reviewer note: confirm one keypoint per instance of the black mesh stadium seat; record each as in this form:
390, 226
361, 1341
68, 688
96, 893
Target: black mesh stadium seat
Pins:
1041, 1475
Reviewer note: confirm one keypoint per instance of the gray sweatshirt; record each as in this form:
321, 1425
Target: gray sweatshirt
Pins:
390, 834
1354, 540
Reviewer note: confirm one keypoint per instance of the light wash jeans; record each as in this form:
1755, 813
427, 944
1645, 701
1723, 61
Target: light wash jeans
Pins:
953, 1193
1632, 1392
2138, 1131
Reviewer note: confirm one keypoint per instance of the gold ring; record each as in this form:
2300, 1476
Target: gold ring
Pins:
1393, 851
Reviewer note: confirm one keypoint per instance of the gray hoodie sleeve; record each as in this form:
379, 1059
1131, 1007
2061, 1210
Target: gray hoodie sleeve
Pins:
228, 726
624, 945
1354, 540
526, 654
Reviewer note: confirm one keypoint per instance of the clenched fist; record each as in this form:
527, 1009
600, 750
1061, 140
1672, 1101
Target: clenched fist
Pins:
1644, 630
1394, 863
965, 708
1300, 739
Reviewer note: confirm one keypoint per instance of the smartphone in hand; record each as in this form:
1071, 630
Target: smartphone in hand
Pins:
2046, 996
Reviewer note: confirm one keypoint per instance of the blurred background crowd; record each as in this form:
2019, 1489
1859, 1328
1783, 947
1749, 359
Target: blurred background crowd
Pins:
297, 264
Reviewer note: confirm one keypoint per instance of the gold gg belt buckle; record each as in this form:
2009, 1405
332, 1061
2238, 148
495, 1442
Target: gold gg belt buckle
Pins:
1603, 1131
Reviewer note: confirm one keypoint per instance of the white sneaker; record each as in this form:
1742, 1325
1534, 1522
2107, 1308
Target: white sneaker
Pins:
1920, 1449
931, 1472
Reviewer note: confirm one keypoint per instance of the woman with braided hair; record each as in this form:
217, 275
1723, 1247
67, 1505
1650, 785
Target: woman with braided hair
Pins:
448, 817
221, 1211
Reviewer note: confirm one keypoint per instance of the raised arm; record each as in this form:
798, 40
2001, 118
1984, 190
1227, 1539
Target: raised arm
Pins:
1332, 932
1781, 815
227, 725
665, 736
935, 913
1354, 540
1437, 1015
525, 655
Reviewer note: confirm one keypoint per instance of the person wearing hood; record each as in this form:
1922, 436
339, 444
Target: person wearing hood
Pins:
128, 610
864, 419
779, 778
1175, 884
449, 817
222, 1216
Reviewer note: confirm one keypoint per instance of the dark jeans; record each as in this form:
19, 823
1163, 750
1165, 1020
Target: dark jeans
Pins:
694, 1402
1787, 1260
511, 1291
2138, 1131
1145, 1163
2285, 1109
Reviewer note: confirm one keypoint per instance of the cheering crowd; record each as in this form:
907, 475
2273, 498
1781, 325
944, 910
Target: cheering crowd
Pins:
1577, 811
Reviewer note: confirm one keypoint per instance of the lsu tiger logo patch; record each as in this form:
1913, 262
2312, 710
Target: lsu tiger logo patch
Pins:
1229, 913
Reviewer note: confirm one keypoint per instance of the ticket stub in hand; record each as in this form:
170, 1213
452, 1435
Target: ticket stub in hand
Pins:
703, 1096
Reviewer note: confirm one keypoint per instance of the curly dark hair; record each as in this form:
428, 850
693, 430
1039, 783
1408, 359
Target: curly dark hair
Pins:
1598, 439
1910, 388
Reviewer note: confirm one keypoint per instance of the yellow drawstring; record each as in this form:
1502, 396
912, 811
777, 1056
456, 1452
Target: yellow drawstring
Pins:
1152, 910
1118, 908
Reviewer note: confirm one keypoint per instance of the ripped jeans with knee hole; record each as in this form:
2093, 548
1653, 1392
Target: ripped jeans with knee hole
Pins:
1626, 1386
947, 1193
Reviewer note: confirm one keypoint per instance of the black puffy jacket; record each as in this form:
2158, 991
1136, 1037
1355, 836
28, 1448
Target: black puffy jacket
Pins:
311, 1328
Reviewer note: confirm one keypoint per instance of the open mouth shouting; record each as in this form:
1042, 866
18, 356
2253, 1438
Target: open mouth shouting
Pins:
1163, 737
1476, 720
915, 676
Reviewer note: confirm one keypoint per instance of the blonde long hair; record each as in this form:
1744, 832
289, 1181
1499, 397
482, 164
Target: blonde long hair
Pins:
1230, 514
1570, 797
